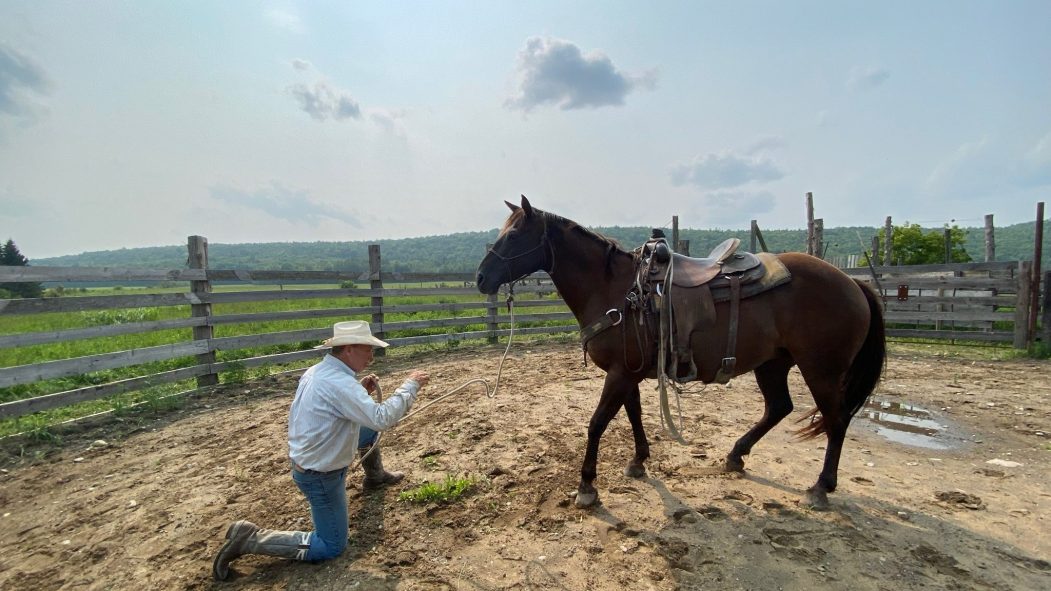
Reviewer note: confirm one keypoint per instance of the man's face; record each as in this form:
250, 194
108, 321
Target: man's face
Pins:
357, 357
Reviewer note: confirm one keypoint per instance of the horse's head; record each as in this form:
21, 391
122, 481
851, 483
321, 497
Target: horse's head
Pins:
520, 249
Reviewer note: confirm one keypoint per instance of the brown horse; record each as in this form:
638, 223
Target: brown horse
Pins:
828, 324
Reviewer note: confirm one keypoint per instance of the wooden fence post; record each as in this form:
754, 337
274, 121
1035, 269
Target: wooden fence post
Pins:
684, 248
810, 223
888, 242
990, 241
819, 238
1045, 333
948, 246
1034, 302
376, 282
197, 246
1021, 337
752, 235
675, 232
491, 325
758, 235
874, 259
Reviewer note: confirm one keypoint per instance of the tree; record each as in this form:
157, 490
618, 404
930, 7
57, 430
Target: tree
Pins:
11, 257
913, 247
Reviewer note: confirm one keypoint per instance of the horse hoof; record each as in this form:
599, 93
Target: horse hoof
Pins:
635, 471
585, 500
734, 465
816, 500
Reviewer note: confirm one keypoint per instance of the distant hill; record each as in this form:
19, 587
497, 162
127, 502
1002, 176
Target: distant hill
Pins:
460, 253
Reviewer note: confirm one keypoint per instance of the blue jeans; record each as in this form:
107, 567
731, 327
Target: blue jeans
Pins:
327, 494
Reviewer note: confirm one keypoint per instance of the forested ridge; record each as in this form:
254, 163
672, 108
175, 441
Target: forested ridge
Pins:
461, 252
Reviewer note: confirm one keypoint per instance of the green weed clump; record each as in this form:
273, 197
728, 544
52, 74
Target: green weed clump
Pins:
1040, 351
446, 491
105, 317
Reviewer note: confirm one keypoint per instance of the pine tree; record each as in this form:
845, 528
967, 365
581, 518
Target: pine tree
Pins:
11, 257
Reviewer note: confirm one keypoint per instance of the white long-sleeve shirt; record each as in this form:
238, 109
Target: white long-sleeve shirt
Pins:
328, 410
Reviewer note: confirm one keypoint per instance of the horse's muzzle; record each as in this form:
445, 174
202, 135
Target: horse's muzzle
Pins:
485, 284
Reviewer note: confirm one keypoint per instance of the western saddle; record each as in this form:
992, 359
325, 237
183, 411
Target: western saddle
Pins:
684, 292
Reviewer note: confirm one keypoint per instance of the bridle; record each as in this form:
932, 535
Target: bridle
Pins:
544, 242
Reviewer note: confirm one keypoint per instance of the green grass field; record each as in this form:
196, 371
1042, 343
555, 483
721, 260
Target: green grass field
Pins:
38, 422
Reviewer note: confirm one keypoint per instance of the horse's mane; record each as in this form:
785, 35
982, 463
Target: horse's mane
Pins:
612, 247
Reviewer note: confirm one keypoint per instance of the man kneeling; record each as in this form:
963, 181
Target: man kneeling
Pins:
332, 417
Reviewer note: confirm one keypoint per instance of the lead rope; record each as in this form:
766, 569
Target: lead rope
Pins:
490, 393
667, 420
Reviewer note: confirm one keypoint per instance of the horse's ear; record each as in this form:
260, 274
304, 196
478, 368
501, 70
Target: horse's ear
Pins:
512, 206
526, 206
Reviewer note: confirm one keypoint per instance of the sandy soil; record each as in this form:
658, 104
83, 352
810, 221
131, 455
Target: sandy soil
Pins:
147, 509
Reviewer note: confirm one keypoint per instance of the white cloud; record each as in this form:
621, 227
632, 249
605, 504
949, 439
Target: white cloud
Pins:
285, 204
865, 78
724, 170
554, 71
766, 144
389, 120
732, 208
286, 19
322, 102
20, 77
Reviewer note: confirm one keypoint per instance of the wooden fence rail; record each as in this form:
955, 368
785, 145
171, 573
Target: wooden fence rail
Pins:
383, 297
983, 302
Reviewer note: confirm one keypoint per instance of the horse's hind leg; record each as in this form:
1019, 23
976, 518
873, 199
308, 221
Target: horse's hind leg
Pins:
816, 496
826, 390
614, 393
772, 378
636, 468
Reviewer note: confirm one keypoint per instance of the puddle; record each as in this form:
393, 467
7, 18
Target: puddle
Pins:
906, 423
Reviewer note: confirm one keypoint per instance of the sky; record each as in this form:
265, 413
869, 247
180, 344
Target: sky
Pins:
140, 123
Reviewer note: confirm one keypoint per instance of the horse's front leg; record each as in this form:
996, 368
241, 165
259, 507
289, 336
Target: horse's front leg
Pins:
636, 467
613, 396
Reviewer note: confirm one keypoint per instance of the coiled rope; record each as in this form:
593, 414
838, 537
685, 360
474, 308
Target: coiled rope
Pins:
490, 393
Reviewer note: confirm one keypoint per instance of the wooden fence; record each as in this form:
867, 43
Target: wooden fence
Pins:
971, 302
384, 292
962, 301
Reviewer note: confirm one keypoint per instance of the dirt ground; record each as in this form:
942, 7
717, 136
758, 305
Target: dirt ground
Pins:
147, 508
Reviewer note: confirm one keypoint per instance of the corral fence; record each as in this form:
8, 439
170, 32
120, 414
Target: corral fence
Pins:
465, 314
984, 302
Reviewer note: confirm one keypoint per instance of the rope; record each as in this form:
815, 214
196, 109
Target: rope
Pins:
490, 393
666, 325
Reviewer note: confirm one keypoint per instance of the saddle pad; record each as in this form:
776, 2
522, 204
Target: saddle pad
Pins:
775, 273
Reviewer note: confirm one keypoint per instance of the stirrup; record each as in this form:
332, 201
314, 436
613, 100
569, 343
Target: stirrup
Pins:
726, 370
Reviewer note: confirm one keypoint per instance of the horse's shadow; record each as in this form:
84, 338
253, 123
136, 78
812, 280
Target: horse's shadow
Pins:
737, 540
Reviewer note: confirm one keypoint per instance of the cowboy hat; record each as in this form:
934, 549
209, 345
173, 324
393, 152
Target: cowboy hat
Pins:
351, 332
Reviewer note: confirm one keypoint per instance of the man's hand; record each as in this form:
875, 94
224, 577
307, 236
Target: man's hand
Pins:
421, 377
370, 383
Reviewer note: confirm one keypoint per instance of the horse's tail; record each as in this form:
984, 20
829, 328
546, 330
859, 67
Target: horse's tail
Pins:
864, 372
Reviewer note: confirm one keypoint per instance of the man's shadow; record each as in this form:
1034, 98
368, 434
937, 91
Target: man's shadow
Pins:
366, 524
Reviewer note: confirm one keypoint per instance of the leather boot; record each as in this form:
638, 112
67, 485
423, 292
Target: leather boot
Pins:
375, 475
245, 537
